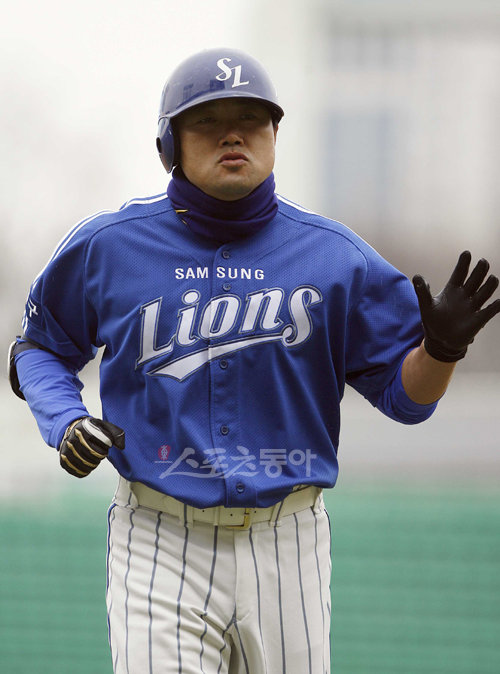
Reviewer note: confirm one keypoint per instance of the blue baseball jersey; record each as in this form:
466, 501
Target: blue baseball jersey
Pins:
224, 364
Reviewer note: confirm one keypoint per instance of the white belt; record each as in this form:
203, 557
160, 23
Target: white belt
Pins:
233, 518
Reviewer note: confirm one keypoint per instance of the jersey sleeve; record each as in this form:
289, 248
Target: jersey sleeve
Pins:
395, 403
383, 326
61, 320
58, 314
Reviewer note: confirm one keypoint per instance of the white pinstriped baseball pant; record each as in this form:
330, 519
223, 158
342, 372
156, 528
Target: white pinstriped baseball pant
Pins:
191, 598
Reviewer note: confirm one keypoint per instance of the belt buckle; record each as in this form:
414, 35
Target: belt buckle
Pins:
246, 521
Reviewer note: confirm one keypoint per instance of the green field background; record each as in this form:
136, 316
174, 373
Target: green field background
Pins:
415, 583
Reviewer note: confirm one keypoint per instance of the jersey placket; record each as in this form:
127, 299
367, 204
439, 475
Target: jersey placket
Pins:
224, 412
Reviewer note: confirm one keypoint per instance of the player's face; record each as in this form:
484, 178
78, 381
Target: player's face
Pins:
227, 146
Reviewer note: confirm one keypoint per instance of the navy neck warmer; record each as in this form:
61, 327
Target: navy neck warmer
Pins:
222, 221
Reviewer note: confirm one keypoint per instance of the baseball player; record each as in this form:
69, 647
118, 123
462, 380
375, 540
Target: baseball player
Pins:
231, 320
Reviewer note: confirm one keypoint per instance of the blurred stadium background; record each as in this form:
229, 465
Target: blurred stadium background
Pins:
391, 126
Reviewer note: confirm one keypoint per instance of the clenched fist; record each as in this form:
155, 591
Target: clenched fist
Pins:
86, 443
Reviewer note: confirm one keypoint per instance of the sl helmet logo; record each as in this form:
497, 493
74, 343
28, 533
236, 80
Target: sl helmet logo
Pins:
227, 73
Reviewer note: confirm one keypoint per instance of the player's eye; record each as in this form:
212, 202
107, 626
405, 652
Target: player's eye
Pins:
205, 120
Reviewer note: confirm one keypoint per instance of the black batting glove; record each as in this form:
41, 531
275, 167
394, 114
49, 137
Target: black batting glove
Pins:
86, 443
452, 319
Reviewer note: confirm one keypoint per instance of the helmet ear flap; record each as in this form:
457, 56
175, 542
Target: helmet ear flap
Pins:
166, 145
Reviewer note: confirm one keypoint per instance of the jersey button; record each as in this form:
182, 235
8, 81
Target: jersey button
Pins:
226, 254
223, 364
226, 286
224, 430
240, 487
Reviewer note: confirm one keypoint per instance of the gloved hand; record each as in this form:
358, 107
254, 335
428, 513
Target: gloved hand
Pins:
452, 319
86, 443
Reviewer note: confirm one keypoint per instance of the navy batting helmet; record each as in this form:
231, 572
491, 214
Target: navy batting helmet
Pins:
208, 76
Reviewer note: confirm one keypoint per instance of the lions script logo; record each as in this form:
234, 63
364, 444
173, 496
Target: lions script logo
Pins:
221, 316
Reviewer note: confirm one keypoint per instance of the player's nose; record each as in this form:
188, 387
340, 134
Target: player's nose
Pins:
231, 135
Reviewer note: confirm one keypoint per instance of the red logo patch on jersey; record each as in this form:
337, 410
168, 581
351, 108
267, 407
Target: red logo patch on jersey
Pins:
163, 452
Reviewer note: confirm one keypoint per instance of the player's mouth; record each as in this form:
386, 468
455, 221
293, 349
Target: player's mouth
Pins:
231, 159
